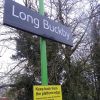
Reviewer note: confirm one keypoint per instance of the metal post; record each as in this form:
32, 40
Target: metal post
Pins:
44, 75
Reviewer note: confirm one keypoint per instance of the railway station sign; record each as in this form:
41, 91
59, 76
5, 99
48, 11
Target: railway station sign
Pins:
23, 18
49, 92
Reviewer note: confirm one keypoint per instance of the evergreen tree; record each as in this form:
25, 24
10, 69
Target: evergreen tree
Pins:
96, 50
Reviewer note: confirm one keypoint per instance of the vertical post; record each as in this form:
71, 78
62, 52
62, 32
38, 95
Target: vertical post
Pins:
44, 75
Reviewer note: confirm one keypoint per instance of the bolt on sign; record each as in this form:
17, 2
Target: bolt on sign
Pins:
50, 92
21, 17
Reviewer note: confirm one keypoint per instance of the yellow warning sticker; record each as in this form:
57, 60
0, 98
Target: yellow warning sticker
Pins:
49, 92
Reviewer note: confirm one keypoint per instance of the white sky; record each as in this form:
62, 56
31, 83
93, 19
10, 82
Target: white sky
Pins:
19, 1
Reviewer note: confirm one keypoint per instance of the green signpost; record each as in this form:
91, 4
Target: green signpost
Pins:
44, 74
20, 17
